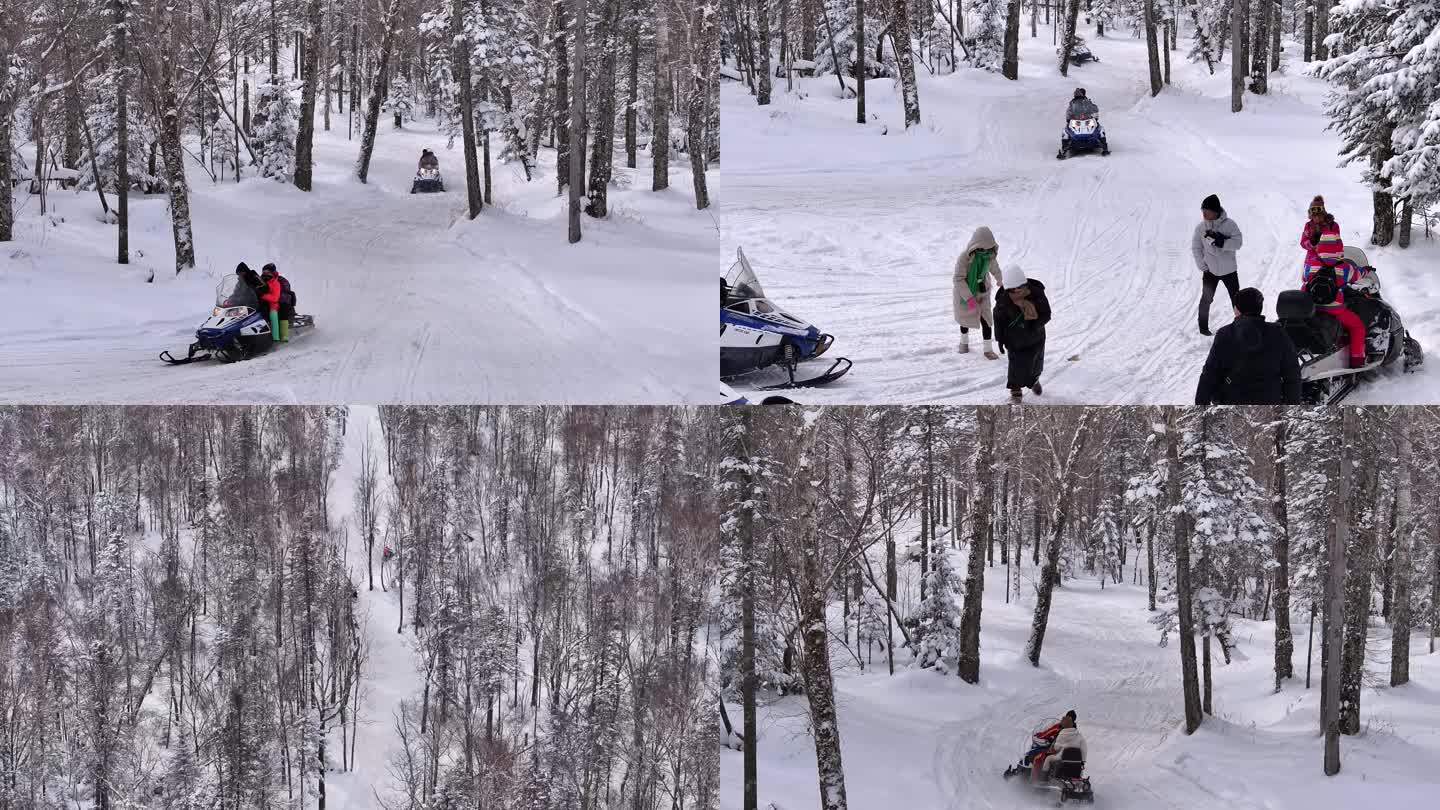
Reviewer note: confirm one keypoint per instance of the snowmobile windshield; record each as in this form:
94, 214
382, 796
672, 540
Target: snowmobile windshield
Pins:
233, 291
741, 281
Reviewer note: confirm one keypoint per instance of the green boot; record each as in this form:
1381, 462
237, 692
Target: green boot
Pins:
284, 330
275, 326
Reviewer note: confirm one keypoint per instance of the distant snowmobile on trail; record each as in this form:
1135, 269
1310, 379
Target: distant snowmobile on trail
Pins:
235, 329
1080, 53
427, 175
755, 334
1063, 770
1325, 373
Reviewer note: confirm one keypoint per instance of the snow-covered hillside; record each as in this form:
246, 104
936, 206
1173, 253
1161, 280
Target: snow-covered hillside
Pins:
858, 228
412, 302
923, 740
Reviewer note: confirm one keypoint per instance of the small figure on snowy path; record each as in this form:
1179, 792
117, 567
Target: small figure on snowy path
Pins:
1020, 317
386, 554
971, 298
1214, 243
1252, 361
1327, 272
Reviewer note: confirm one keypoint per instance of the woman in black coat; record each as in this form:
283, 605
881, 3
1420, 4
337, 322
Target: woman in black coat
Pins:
1021, 312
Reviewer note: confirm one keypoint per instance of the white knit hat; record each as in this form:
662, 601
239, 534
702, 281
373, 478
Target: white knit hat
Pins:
1012, 276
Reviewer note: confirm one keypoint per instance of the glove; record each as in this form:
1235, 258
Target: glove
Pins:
1314, 234
1216, 238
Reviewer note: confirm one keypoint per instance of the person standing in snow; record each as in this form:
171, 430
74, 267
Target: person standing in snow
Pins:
1251, 362
1324, 253
271, 293
976, 268
1213, 244
1021, 312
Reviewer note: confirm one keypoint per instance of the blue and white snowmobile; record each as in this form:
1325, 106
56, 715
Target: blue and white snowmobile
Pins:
235, 329
755, 334
1082, 134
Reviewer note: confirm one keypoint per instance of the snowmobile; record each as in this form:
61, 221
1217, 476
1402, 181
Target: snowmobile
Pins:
755, 334
1065, 776
427, 181
1324, 347
235, 329
1080, 53
1082, 134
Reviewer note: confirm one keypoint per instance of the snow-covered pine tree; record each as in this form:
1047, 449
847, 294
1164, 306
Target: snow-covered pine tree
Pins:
987, 49
273, 129
400, 103
937, 620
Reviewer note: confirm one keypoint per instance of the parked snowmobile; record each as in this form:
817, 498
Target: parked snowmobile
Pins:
1082, 134
755, 334
1325, 374
427, 181
235, 329
1065, 776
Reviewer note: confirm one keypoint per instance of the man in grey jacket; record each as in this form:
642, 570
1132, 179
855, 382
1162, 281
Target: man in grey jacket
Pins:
1213, 244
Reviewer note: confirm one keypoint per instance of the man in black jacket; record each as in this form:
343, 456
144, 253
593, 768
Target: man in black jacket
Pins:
1251, 362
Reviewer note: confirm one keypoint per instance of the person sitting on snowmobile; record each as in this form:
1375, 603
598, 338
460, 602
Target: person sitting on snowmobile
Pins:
1324, 253
287, 302
428, 161
1062, 735
249, 278
386, 554
271, 293
1081, 106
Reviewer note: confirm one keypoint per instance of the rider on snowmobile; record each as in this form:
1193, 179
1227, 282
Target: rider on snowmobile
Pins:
1057, 738
1081, 106
428, 161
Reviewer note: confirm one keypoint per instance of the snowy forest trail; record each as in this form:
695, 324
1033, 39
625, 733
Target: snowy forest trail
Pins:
922, 739
412, 302
858, 228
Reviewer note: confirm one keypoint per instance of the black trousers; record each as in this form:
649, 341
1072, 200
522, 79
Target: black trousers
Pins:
984, 329
1207, 294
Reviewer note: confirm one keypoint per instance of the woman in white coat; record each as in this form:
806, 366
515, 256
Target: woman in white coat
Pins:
977, 274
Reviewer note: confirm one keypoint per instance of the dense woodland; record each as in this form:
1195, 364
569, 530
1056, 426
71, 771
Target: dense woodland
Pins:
195, 599
138, 96
1386, 105
1321, 521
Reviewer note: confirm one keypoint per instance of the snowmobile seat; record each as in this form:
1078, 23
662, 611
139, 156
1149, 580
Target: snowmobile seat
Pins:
1308, 330
1295, 305
1069, 764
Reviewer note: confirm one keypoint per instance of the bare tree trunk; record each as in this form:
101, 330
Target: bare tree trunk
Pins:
1322, 29
1150, 564
1405, 224
1185, 619
1402, 564
577, 123
859, 60
1010, 66
1152, 48
460, 57
377, 92
660, 101
7, 201
1050, 572
1260, 48
744, 482
702, 63
602, 151
762, 26
1067, 43
1284, 642
1237, 55
561, 114
305, 136
1339, 540
122, 132
905, 61
632, 89
1382, 200
980, 521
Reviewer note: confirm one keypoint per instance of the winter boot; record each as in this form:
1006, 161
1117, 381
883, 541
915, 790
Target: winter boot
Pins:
964, 346
285, 330
990, 352
275, 326
1016, 396
1036, 388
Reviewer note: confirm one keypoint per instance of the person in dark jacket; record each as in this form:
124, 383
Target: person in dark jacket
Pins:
1021, 312
428, 161
1252, 361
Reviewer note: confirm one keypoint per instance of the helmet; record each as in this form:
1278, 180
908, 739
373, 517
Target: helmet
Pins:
1079, 92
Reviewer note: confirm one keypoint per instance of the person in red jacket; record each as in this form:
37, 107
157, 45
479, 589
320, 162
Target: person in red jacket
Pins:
270, 296
1325, 250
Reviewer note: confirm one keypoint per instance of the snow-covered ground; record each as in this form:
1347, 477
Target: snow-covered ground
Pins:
858, 228
923, 740
412, 302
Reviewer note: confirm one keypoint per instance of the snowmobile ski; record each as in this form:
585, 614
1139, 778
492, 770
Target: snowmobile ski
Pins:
838, 369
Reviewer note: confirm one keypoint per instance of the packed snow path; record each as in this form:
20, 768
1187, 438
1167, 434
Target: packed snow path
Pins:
857, 228
412, 302
920, 739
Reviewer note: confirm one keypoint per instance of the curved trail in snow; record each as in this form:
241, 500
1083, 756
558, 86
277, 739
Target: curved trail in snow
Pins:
859, 231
